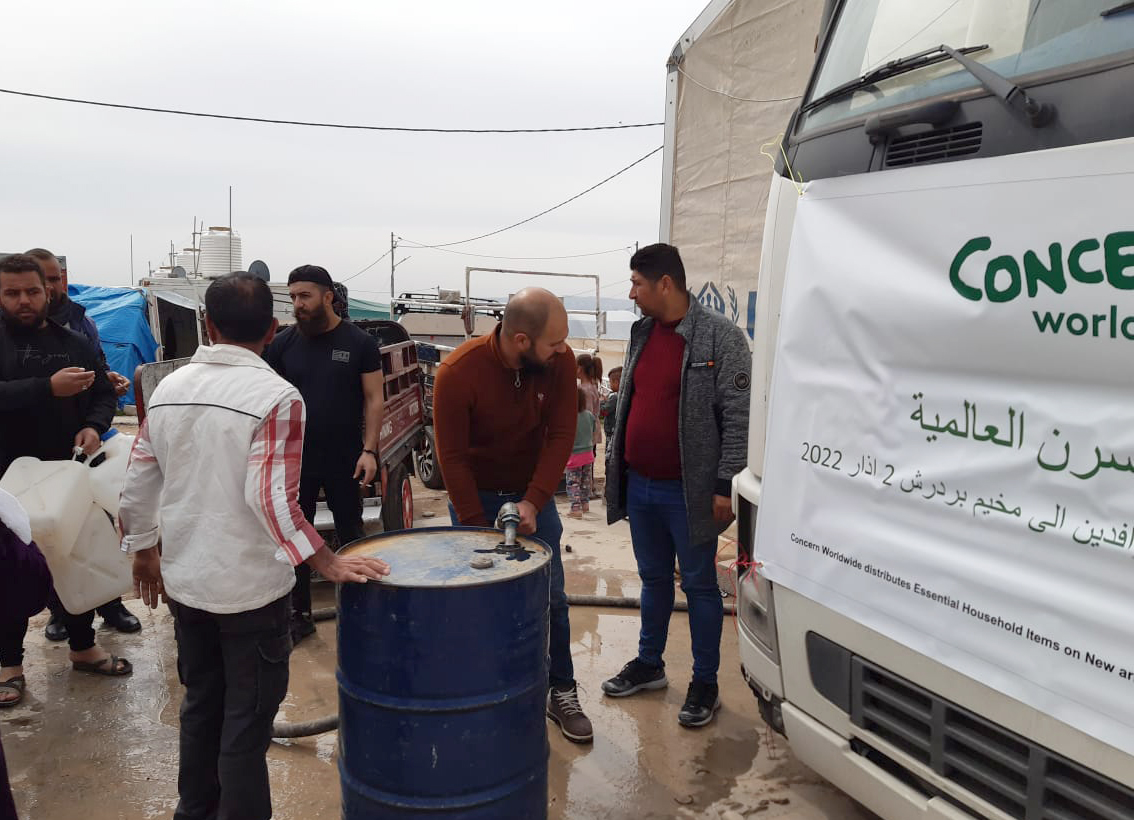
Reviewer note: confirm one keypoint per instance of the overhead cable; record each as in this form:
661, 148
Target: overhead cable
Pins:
543, 212
347, 126
416, 246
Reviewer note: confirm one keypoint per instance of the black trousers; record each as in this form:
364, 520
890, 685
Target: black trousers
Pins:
59, 613
335, 476
235, 671
80, 634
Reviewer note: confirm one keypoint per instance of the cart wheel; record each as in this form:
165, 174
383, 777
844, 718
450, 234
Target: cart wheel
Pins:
397, 504
427, 468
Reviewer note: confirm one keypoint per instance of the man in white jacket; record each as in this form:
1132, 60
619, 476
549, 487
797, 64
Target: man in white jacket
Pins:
217, 462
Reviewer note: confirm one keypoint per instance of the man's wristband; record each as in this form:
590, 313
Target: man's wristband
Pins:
372, 452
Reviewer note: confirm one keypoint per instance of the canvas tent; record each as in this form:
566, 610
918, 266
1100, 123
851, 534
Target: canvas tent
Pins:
734, 79
120, 316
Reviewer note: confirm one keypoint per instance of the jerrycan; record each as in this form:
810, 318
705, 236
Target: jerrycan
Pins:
75, 534
106, 470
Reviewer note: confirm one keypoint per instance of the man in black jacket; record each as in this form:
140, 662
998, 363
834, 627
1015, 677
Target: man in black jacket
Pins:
54, 397
64, 311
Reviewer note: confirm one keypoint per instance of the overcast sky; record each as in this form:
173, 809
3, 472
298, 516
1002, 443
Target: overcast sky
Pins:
80, 180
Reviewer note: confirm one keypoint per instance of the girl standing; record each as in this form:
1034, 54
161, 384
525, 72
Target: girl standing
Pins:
581, 464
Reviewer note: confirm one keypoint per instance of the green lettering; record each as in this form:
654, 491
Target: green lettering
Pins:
1007, 265
980, 243
1126, 331
1035, 271
1047, 322
1075, 266
1077, 324
1117, 262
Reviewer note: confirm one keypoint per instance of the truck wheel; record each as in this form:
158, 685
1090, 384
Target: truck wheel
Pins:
427, 468
397, 504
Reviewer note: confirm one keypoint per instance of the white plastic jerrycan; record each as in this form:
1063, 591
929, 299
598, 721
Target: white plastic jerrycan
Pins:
107, 471
75, 534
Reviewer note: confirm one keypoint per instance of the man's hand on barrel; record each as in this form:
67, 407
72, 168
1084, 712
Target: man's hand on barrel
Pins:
528, 514
347, 569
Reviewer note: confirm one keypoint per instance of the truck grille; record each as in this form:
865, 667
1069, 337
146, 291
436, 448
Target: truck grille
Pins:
934, 146
1020, 778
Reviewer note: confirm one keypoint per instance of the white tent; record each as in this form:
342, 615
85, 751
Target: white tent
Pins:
734, 79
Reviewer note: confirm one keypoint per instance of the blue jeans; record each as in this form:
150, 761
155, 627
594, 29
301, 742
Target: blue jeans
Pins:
549, 530
659, 528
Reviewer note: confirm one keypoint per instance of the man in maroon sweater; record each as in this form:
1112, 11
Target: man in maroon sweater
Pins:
680, 435
504, 410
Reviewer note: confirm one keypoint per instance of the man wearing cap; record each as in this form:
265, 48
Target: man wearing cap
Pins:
337, 368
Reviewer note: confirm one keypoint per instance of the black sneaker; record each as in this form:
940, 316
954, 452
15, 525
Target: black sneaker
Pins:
302, 625
56, 629
635, 677
701, 703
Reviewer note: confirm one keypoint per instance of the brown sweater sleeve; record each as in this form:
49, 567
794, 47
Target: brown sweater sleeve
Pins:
452, 407
562, 418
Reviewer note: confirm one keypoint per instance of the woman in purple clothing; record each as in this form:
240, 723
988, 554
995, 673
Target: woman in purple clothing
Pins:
25, 583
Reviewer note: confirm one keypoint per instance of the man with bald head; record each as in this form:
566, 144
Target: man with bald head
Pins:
504, 411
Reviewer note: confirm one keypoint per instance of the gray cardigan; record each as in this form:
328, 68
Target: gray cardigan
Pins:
713, 425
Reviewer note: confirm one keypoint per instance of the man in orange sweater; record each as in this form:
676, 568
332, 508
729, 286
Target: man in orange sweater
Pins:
504, 414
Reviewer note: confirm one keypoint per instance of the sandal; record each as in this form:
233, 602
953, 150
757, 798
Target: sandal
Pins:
112, 667
17, 685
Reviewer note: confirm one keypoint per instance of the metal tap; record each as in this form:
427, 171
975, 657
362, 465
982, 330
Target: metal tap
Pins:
508, 519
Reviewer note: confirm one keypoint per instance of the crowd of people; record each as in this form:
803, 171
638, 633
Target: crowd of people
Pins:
219, 496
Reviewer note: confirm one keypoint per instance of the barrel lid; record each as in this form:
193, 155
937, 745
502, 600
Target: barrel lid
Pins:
444, 556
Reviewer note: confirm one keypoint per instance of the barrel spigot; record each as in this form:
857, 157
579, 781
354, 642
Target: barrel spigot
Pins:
508, 519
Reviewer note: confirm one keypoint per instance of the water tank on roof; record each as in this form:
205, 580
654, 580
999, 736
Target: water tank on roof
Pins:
220, 252
187, 259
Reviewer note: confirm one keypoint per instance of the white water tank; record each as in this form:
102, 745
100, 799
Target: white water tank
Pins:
188, 260
220, 253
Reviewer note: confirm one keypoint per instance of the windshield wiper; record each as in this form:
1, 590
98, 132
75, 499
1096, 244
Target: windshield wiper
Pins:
904, 65
1121, 7
1038, 114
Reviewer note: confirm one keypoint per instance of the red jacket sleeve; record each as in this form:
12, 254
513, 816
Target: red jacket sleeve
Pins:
452, 412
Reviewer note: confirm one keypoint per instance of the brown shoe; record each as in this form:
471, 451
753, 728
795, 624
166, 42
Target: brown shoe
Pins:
563, 708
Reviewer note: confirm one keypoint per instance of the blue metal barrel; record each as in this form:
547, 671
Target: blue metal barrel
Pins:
443, 679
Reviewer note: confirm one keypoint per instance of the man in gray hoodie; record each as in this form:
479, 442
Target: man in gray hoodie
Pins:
680, 435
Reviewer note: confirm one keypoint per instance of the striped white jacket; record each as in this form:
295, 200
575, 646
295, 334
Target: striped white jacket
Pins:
216, 464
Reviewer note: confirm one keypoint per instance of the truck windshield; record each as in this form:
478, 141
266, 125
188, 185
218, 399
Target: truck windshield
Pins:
1023, 37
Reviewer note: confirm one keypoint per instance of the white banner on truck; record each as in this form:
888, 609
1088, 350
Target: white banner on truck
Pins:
950, 451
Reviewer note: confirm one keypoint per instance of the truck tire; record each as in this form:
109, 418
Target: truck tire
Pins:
428, 470
397, 503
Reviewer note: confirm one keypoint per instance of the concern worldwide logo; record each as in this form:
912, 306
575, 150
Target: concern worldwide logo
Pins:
977, 274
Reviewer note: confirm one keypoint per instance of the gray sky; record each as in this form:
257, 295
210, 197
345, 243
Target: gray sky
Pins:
81, 180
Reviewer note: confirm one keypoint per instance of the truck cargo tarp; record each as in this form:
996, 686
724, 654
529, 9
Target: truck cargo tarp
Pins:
741, 68
120, 316
362, 309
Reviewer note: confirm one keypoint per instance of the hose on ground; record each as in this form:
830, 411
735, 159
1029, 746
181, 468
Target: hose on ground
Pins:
331, 722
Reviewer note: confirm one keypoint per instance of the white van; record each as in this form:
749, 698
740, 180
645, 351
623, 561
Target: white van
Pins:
937, 520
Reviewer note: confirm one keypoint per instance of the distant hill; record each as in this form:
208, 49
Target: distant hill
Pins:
588, 303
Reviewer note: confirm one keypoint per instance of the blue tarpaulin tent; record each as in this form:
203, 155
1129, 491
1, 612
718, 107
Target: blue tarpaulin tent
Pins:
120, 316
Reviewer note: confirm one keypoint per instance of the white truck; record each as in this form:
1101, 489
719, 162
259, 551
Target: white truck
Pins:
936, 547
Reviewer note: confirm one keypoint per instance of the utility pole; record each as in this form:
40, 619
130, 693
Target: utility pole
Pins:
230, 229
393, 247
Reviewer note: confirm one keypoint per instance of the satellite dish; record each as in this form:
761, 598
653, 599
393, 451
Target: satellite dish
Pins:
258, 268
177, 273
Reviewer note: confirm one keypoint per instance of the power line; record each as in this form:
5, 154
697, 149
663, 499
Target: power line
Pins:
541, 213
495, 256
732, 97
368, 267
347, 126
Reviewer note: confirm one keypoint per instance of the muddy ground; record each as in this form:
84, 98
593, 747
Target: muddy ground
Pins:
101, 749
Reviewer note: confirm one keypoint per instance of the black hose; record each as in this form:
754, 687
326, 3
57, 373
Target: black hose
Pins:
306, 728
613, 601
331, 722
